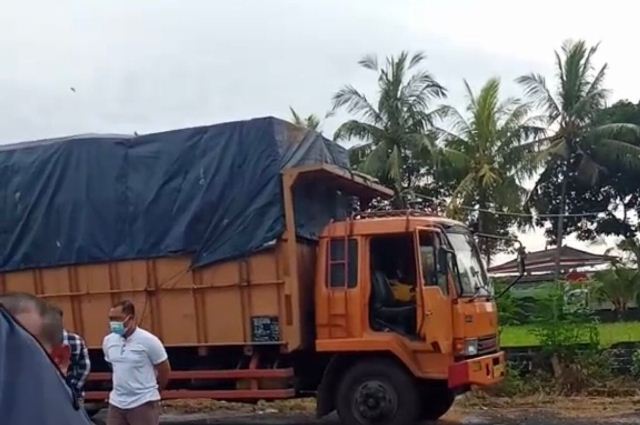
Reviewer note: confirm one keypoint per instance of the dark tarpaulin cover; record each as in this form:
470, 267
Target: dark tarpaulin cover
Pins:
32, 391
213, 192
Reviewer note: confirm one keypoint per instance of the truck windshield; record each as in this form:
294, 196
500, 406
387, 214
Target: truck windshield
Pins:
473, 278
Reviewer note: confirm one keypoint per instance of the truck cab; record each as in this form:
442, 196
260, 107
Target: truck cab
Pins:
410, 288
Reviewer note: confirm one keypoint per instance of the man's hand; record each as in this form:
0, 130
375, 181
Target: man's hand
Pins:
162, 372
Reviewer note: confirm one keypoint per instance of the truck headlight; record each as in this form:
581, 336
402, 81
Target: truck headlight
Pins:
470, 347
466, 347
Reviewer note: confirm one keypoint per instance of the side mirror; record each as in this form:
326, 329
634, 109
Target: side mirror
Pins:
521, 269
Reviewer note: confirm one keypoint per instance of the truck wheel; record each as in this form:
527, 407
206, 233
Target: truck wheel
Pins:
436, 401
377, 392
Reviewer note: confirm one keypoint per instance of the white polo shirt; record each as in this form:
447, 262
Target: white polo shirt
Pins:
132, 360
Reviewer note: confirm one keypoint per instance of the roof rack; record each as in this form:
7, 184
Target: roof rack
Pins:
392, 213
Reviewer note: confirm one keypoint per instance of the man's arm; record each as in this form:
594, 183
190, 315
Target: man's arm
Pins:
160, 360
163, 370
84, 364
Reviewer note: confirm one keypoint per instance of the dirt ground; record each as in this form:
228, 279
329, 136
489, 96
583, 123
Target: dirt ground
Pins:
471, 411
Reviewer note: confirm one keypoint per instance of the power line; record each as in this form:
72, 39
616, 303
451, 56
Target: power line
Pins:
515, 214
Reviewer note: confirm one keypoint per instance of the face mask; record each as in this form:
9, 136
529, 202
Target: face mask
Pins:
117, 328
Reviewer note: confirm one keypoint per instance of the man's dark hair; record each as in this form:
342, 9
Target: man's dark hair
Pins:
127, 307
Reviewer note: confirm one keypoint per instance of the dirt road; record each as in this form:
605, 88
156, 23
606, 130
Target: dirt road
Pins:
532, 411
491, 418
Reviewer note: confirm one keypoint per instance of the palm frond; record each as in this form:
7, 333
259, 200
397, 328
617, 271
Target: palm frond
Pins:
617, 152
458, 159
416, 59
359, 153
509, 194
355, 102
593, 99
423, 147
558, 149
535, 87
296, 118
470, 96
625, 131
465, 187
354, 129
456, 122
312, 122
376, 163
485, 115
541, 143
420, 89
370, 62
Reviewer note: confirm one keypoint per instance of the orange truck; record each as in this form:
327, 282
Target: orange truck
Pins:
302, 317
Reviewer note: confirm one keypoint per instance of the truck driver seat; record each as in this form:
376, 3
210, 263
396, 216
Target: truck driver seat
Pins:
386, 312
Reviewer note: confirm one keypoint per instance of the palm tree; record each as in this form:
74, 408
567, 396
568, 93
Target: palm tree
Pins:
570, 112
618, 285
630, 248
394, 132
485, 149
311, 122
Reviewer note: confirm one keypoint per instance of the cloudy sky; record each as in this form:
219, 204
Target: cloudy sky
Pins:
146, 65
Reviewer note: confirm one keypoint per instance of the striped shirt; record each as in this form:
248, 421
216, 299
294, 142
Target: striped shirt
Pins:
80, 365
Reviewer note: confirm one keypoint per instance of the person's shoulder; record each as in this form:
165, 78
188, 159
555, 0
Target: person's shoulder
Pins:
109, 338
72, 336
144, 335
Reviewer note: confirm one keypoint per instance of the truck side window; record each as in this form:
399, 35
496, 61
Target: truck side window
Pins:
337, 259
429, 244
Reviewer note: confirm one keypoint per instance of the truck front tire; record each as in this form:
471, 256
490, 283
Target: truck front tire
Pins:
436, 400
377, 392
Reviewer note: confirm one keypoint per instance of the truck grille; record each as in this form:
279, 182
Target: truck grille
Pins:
487, 344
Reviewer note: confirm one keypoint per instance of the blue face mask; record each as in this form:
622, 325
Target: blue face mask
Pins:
117, 328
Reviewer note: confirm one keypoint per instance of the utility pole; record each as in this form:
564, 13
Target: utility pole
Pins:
560, 229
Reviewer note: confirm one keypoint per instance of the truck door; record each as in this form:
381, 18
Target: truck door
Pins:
434, 312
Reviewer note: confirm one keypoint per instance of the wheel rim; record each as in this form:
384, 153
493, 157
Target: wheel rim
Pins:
374, 401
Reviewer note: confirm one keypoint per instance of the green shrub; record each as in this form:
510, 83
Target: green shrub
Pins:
635, 364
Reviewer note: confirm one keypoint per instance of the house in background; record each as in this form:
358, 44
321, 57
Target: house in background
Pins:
576, 265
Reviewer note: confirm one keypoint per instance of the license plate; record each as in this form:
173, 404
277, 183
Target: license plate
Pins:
498, 371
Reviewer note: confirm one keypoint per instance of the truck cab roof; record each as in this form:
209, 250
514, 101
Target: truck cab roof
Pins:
388, 222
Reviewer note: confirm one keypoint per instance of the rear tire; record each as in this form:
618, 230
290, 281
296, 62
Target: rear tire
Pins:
436, 400
377, 392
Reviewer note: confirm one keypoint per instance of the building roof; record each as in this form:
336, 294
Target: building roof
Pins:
544, 261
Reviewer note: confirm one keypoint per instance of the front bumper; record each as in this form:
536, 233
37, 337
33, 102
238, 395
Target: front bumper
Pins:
483, 371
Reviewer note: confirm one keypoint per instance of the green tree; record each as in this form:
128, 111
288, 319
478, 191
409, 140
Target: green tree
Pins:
578, 148
630, 248
617, 194
485, 149
311, 122
397, 144
619, 285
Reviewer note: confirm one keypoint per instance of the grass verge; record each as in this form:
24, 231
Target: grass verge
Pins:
610, 333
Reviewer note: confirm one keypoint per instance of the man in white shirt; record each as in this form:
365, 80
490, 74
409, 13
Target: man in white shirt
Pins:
140, 369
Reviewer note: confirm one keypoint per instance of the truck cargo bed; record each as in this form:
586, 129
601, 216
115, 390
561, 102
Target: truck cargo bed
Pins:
252, 300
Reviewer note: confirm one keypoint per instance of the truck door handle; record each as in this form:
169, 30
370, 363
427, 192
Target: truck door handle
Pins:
428, 313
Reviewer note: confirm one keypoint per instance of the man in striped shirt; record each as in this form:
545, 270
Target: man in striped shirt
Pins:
79, 363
